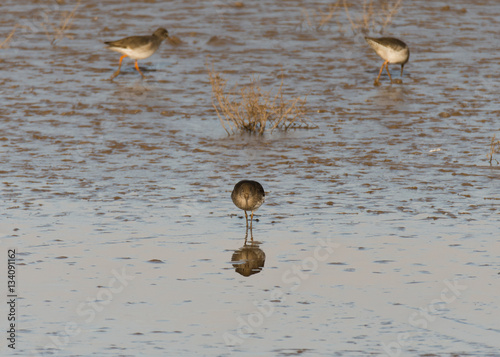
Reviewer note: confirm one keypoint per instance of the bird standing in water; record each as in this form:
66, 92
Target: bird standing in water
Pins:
391, 50
137, 47
249, 196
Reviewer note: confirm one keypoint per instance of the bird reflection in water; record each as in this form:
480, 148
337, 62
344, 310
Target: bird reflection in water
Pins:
249, 259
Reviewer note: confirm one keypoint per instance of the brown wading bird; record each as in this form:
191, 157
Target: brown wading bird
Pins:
137, 47
248, 196
391, 50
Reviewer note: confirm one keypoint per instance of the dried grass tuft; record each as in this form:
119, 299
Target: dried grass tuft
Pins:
367, 16
317, 19
253, 109
57, 31
375, 16
494, 148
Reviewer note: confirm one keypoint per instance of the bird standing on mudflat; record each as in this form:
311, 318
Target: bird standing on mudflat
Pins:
249, 196
137, 47
391, 50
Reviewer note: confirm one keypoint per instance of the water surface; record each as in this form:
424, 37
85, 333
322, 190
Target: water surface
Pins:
380, 228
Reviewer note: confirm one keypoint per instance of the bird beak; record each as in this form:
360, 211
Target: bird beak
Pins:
402, 70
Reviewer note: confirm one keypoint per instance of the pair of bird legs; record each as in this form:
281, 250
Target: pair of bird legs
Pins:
251, 221
386, 65
120, 66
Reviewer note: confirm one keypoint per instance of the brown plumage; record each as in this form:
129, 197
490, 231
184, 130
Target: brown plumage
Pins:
249, 196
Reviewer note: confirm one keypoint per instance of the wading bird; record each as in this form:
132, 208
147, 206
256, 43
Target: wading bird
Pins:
137, 47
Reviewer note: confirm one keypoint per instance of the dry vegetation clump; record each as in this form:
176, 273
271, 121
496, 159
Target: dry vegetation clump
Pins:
368, 16
375, 16
317, 19
253, 109
55, 29
494, 148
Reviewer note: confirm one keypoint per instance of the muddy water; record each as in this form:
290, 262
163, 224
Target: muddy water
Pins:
380, 228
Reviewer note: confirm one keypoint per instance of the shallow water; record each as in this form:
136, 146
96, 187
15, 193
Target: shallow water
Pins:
380, 227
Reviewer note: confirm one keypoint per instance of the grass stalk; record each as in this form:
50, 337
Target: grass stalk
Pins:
494, 148
9, 36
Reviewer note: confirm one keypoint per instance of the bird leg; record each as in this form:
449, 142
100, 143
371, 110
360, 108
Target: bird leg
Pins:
119, 66
251, 221
387, 68
137, 68
246, 231
380, 72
